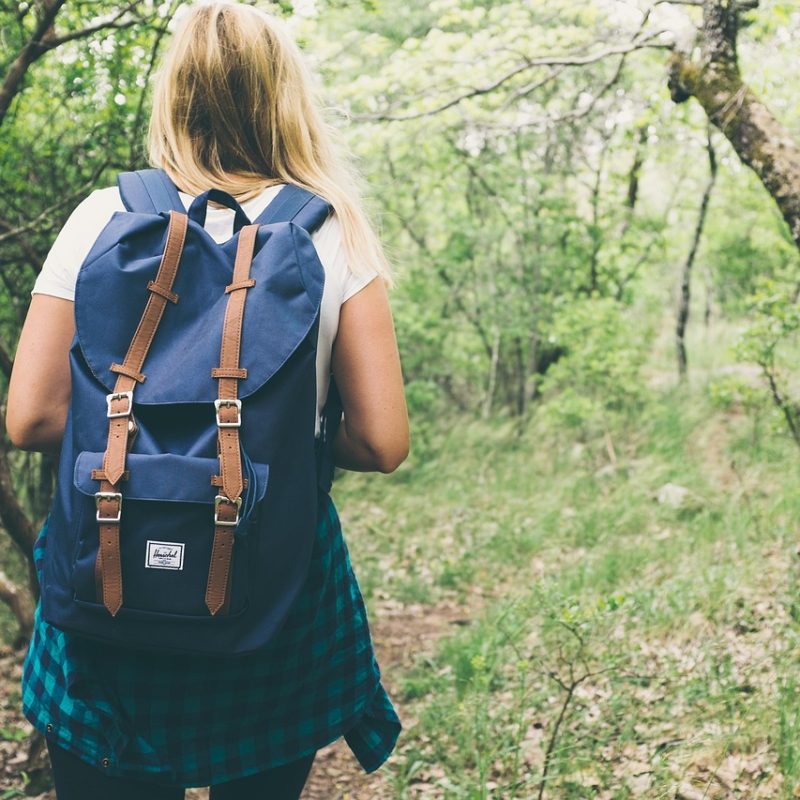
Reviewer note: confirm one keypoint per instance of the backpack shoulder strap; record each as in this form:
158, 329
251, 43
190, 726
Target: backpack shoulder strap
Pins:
149, 191
298, 205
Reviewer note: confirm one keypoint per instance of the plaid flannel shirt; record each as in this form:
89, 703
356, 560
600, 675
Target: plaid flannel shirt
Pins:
195, 721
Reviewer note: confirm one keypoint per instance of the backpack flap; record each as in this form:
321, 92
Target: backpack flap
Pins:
282, 307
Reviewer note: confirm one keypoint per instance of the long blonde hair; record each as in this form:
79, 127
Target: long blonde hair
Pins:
234, 108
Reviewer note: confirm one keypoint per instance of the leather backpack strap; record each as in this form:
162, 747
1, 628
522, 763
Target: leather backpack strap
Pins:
229, 419
121, 425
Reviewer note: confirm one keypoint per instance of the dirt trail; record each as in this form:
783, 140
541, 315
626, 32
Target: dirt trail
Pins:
401, 632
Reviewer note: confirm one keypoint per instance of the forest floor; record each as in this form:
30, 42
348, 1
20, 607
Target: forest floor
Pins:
605, 612
401, 632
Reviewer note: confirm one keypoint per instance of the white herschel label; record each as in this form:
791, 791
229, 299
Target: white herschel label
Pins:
164, 555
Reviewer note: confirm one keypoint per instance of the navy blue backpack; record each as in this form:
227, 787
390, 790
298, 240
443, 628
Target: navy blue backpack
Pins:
185, 510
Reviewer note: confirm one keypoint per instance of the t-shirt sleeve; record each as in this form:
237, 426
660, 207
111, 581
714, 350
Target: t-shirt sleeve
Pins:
330, 246
73, 243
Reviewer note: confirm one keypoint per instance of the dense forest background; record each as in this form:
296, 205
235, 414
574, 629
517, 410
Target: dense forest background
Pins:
584, 580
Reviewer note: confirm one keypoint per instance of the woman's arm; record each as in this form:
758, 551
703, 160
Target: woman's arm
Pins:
40, 387
366, 365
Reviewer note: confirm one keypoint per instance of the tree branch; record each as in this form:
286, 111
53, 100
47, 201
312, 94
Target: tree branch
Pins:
29, 53
6, 361
720, 27
571, 60
37, 222
789, 412
740, 5
21, 607
110, 23
45, 39
12, 515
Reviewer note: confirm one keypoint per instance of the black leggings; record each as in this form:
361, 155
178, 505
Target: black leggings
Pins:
77, 780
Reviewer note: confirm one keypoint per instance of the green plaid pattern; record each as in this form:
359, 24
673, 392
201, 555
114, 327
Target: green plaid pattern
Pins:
195, 721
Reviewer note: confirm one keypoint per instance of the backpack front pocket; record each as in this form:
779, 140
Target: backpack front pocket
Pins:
166, 533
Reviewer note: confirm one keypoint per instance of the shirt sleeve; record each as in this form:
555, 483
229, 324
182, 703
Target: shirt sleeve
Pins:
73, 243
330, 246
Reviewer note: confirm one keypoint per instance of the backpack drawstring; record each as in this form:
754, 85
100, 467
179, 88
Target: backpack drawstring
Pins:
251, 494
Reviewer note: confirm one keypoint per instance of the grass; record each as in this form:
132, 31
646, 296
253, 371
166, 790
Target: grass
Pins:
622, 647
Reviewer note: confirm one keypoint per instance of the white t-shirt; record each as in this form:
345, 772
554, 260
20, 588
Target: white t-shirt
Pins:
60, 270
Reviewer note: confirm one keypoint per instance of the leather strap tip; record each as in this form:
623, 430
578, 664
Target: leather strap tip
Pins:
113, 607
234, 493
214, 606
113, 476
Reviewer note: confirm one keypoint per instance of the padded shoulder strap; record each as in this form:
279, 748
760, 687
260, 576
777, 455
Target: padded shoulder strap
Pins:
294, 204
149, 191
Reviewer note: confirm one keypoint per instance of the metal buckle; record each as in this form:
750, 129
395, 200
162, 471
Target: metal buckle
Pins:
98, 496
119, 396
218, 500
228, 403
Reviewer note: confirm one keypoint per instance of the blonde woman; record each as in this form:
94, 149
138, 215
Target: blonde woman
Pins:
232, 109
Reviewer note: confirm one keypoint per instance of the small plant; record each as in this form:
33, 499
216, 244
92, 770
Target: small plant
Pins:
788, 733
766, 342
17, 791
491, 718
13, 734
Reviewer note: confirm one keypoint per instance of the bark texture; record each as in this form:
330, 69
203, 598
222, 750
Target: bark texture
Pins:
757, 136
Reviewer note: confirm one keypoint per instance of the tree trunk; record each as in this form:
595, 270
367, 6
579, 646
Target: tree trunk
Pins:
521, 400
709, 282
758, 138
685, 297
33, 50
492, 381
21, 607
634, 176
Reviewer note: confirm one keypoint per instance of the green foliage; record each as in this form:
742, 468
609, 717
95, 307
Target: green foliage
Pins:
728, 393
776, 322
771, 341
757, 247
599, 377
13, 734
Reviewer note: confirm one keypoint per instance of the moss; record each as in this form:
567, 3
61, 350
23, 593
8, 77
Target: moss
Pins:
683, 77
